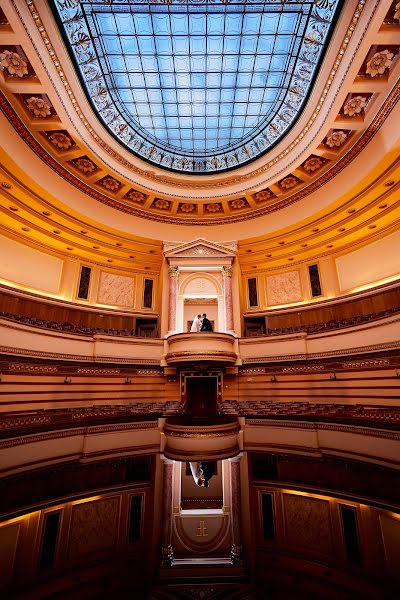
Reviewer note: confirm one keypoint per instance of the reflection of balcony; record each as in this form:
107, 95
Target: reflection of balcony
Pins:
208, 347
213, 440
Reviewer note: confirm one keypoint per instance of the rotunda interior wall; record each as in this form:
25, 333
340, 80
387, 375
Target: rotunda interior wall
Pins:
333, 226
350, 182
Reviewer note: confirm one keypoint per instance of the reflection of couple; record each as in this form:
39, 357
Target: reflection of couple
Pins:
202, 472
201, 323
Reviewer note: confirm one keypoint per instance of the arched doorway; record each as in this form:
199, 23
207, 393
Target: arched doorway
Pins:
200, 293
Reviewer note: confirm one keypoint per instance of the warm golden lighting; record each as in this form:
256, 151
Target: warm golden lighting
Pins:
84, 500
17, 519
369, 286
394, 515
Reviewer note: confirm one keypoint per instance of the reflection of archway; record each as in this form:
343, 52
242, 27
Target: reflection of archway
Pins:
200, 293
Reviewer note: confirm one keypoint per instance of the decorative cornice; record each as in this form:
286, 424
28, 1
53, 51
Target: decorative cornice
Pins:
25, 134
41, 437
65, 433
359, 430
77, 357
188, 355
316, 355
98, 429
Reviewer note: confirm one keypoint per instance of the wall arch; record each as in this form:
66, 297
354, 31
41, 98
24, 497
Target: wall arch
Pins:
211, 291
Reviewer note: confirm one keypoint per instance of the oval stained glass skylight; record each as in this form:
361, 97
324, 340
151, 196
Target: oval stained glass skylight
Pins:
194, 86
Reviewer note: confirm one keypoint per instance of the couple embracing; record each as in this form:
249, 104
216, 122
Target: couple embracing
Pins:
201, 323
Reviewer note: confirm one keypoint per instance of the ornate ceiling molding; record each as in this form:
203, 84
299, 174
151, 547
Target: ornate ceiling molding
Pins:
363, 141
73, 157
194, 183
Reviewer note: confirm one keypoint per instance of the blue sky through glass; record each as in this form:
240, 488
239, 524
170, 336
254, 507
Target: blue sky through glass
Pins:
199, 82
197, 85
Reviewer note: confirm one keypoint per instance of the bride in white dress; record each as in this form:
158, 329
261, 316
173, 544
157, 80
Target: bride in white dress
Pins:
196, 325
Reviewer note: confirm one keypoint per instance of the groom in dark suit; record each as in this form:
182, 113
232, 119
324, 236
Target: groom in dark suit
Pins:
206, 324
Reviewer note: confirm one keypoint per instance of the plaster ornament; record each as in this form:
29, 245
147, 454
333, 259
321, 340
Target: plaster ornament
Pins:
238, 203
14, 64
378, 64
312, 164
215, 163
68, 3
184, 164
263, 195
355, 106
85, 165
110, 184
187, 208
82, 41
61, 141
162, 204
213, 207
337, 138
397, 12
135, 196
38, 107
288, 182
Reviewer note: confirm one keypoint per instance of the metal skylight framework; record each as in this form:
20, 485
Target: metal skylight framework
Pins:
197, 86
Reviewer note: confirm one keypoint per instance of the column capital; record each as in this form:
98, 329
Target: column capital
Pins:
227, 271
173, 271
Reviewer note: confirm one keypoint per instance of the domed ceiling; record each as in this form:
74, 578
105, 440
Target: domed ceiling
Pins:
319, 188
197, 86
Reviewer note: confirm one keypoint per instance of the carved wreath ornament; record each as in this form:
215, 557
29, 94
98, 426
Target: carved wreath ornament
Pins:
13, 63
313, 164
85, 165
110, 184
38, 107
355, 106
263, 195
379, 63
61, 141
288, 182
337, 138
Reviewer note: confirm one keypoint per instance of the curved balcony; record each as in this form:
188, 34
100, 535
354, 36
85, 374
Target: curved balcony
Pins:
207, 441
207, 347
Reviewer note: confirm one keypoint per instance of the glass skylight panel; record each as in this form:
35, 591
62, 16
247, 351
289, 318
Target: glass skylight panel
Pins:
195, 86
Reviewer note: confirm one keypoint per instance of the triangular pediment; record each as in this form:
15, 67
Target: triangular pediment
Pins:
199, 248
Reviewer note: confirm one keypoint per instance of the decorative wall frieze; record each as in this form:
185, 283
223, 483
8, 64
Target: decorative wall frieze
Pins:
76, 357
352, 429
73, 432
317, 355
29, 368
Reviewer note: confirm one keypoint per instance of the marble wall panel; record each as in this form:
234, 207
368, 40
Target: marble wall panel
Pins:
308, 523
94, 527
115, 289
284, 288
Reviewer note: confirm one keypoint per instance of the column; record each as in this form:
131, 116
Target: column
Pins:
236, 512
227, 276
173, 294
167, 552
